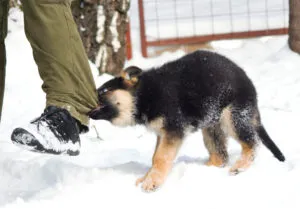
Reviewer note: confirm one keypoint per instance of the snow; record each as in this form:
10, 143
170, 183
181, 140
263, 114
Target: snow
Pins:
114, 32
101, 56
104, 174
100, 24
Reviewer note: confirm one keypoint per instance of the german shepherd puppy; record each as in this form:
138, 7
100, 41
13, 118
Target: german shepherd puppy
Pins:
202, 90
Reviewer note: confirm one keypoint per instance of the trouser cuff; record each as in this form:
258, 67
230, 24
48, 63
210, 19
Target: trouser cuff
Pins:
80, 117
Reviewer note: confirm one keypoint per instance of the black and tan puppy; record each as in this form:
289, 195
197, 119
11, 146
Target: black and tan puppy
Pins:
202, 90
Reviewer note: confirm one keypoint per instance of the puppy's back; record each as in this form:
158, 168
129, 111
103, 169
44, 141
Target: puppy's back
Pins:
193, 83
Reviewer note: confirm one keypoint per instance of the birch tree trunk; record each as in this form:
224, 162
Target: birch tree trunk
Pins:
102, 26
294, 25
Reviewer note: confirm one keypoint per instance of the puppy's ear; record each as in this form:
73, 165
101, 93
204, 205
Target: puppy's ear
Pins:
131, 75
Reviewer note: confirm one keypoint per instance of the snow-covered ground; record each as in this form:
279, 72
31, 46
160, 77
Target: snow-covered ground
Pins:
103, 175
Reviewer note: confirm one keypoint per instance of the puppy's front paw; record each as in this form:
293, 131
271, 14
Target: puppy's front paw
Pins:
151, 181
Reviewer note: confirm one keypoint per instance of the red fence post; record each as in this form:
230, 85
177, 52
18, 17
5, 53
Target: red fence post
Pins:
142, 29
128, 42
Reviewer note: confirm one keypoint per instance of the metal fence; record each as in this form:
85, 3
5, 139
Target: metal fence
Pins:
172, 22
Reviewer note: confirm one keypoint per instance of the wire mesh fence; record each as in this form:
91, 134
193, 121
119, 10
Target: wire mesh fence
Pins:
187, 21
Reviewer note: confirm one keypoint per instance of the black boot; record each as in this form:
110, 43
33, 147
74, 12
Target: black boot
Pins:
54, 132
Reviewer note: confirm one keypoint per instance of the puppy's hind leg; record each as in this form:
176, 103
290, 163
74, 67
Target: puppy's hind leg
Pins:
216, 143
243, 129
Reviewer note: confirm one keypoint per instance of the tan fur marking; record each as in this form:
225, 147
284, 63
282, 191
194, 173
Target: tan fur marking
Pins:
226, 123
215, 160
156, 125
208, 141
134, 80
123, 74
129, 81
255, 119
245, 161
247, 155
162, 162
156, 146
124, 101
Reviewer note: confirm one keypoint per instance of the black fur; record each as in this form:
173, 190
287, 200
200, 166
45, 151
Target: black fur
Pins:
267, 141
185, 91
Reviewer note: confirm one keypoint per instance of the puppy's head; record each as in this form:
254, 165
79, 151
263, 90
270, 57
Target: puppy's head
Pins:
116, 101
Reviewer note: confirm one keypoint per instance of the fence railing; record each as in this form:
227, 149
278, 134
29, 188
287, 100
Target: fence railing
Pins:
172, 22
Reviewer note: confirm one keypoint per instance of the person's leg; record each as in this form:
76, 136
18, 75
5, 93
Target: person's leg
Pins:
59, 54
3, 32
67, 79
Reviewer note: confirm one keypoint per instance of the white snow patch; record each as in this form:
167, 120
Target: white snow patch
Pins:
114, 32
100, 24
101, 56
82, 29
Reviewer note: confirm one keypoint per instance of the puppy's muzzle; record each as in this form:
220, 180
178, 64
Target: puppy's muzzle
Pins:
94, 114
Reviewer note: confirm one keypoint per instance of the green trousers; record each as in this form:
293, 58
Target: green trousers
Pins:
3, 32
59, 54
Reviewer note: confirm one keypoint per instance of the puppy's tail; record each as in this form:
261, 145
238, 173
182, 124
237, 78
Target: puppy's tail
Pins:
267, 141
